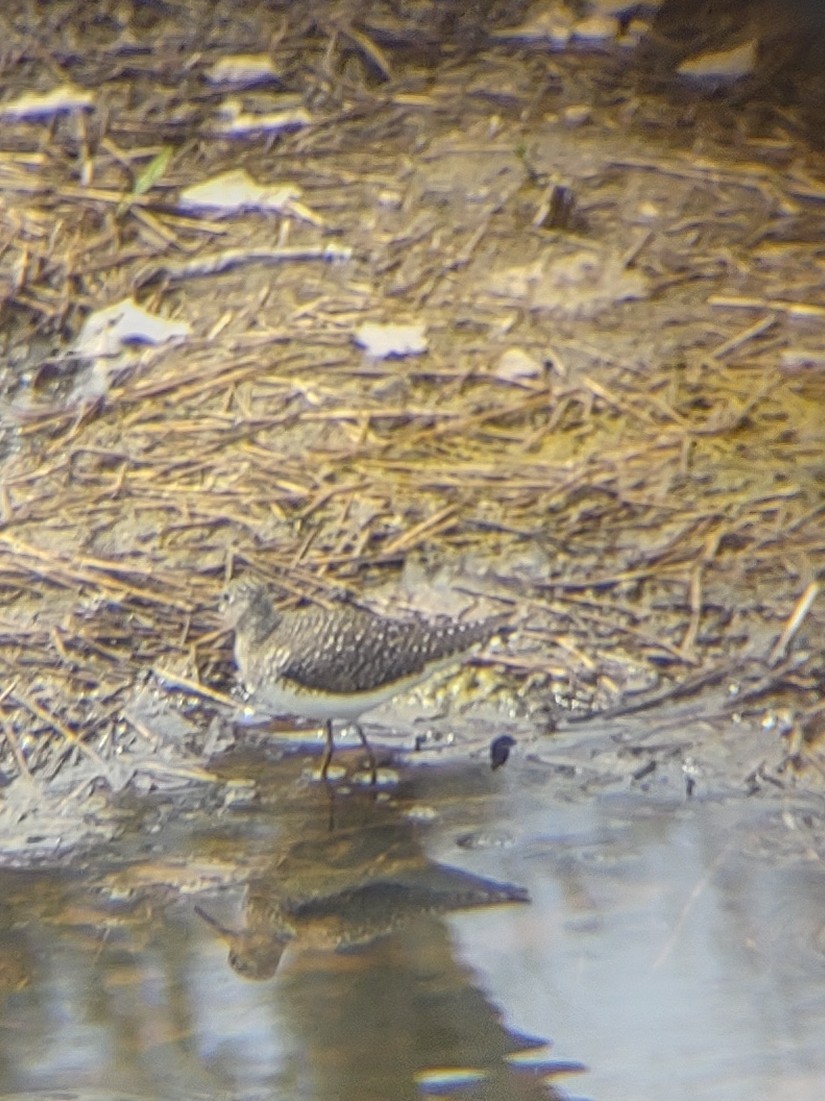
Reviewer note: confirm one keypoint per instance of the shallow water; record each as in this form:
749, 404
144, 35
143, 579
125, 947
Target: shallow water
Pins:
286, 942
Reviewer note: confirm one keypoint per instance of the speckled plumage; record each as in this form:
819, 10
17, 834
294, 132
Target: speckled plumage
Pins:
342, 651
337, 663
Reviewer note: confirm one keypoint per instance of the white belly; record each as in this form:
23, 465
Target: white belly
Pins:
281, 699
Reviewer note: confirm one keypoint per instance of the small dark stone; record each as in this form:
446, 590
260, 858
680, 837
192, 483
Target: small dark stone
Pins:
500, 750
644, 770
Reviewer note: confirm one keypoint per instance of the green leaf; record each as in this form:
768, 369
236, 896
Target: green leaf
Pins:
153, 171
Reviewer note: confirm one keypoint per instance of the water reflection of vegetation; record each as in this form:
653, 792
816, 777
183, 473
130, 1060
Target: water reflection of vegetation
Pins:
338, 897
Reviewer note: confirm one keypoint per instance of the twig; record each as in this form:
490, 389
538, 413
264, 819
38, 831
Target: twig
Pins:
795, 620
694, 896
230, 258
176, 680
60, 727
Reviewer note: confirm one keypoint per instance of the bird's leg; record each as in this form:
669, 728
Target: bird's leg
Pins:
328, 749
370, 754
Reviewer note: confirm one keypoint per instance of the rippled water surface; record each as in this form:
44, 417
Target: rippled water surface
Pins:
300, 943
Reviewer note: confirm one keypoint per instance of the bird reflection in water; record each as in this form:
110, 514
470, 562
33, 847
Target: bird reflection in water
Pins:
352, 920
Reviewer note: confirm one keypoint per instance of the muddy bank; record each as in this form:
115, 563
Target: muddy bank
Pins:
602, 418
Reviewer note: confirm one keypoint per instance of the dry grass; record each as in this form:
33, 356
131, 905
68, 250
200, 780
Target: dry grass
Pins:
648, 501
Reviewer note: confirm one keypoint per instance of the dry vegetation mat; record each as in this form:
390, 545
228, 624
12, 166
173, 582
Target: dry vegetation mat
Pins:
495, 313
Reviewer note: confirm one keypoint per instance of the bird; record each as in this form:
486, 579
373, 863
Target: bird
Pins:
338, 662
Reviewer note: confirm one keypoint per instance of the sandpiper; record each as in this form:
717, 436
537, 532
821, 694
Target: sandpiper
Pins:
337, 663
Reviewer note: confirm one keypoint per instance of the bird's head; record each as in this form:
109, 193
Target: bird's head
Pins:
247, 604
